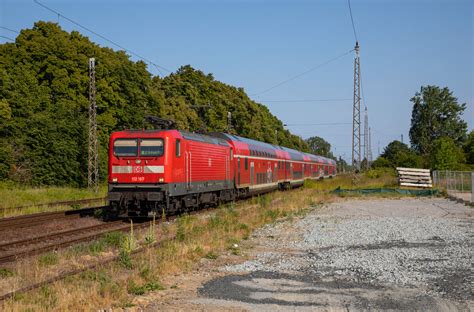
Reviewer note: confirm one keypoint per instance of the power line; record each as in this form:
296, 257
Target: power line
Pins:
302, 74
9, 29
319, 124
352, 20
103, 37
304, 101
7, 38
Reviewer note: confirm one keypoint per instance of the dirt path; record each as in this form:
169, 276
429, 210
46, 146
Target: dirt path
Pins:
407, 254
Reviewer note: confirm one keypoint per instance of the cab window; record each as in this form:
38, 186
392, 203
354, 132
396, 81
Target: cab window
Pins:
151, 147
125, 147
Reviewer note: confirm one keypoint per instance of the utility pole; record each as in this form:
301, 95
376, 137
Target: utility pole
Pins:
93, 165
229, 121
356, 112
401, 136
366, 138
369, 160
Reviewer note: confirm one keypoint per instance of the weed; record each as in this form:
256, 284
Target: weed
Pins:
50, 258
125, 259
75, 206
150, 237
271, 214
98, 213
129, 244
212, 255
4, 273
138, 290
114, 239
215, 221
180, 232
198, 250
96, 247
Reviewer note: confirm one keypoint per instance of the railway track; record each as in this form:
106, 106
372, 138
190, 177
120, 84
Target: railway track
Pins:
13, 250
38, 218
78, 202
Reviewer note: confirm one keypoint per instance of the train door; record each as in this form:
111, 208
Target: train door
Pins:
238, 171
187, 169
251, 173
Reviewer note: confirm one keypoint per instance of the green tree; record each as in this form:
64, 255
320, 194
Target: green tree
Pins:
399, 154
469, 148
381, 162
436, 113
319, 146
44, 105
446, 154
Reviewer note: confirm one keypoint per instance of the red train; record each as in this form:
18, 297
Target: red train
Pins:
171, 170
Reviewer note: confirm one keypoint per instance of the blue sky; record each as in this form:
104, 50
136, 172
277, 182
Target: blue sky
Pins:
257, 44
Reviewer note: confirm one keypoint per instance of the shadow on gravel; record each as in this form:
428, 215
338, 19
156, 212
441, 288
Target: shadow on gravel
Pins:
292, 290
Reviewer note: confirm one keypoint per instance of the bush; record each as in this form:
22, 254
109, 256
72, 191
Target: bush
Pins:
381, 162
446, 155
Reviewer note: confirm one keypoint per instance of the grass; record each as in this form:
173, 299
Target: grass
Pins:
220, 231
17, 196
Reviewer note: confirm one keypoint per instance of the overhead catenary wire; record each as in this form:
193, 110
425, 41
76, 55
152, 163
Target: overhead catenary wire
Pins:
7, 38
304, 101
9, 29
158, 67
352, 20
319, 124
302, 73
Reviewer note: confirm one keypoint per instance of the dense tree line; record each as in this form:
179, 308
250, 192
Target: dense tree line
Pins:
438, 135
44, 104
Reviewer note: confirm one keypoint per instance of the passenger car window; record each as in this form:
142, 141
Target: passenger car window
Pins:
151, 147
125, 147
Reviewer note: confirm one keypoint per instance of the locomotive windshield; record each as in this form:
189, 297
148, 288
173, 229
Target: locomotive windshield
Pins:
126, 147
151, 147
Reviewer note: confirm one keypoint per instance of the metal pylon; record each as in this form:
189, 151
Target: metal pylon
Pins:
370, 147
356, 112
93, 164
366, 138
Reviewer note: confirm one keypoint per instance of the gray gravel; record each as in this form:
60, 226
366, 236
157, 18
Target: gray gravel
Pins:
398, 244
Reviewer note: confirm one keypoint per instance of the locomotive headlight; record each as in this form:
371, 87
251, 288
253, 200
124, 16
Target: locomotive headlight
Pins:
114, 180
161, 180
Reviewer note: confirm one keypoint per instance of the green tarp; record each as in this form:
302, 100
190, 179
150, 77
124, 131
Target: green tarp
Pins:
387, 191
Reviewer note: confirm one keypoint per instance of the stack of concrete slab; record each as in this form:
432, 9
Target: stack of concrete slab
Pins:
414, 177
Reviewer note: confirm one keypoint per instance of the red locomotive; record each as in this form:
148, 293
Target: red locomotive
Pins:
171, 170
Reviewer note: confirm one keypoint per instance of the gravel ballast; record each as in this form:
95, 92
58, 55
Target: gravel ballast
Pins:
407, 254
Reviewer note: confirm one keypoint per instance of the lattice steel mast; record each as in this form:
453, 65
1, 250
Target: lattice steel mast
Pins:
366, 138
356, 112
93, 164
370, 147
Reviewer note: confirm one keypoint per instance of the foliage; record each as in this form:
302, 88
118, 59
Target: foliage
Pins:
469, 148
319, 146
381, 162
398, 154
446, 155
436, 113
44, 105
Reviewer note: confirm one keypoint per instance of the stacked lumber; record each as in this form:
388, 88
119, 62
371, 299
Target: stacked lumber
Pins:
414, 177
